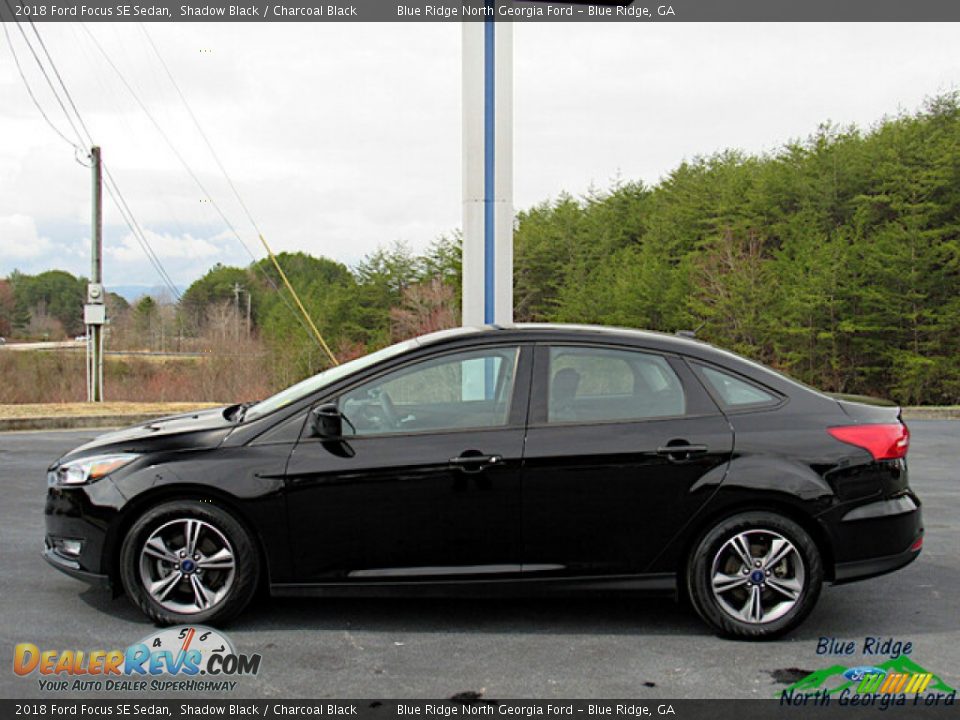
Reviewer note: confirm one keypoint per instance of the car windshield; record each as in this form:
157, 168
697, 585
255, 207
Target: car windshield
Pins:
309, 386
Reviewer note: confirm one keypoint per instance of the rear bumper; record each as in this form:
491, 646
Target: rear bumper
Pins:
878, 538
863, 569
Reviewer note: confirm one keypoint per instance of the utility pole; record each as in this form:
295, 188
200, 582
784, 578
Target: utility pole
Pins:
94, 312
249, 302
236, 311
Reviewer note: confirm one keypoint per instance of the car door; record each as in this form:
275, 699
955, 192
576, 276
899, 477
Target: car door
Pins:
623, 447
426, 481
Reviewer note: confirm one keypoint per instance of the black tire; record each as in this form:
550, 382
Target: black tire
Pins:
218, 528
716, 554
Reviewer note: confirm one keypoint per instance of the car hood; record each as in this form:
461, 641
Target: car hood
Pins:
195, 430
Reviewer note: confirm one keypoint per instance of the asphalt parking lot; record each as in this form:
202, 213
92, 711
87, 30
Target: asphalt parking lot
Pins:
514, 648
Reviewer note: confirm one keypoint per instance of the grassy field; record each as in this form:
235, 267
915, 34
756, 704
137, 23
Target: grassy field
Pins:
60, 377
77, 409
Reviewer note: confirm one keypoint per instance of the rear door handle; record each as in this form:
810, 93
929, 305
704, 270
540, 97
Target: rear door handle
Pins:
681, 452
473, 463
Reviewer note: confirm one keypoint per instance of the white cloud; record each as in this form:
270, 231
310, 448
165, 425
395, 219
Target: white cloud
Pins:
184, 256
165, 246
19, 240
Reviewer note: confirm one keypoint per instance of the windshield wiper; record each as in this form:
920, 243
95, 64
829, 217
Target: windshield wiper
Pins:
241, 410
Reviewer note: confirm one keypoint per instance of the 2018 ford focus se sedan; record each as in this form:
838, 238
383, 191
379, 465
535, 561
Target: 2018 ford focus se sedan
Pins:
534, 458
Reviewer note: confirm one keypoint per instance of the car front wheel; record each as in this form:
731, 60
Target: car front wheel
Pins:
756, 575
189, 562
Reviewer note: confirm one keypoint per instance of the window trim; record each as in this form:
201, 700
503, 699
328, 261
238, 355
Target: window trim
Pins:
519, 398
697, 366
698, 402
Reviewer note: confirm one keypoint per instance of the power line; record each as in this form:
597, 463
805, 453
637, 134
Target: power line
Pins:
36, 102
46, 77
56, 72
159, 193
308, 326
243, 205
173, 149
199, 128
112, 187
137, 231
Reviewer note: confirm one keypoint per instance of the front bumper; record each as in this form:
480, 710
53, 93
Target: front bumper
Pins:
73, 569
78, 520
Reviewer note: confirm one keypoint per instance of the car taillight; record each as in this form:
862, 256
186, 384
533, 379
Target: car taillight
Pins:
884, 442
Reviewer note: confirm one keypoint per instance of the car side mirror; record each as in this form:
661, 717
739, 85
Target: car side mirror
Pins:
327, 422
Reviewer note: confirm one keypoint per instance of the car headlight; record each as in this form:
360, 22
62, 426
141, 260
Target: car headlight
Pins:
89, 469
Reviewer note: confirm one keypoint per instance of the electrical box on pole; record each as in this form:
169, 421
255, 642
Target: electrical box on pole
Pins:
95, 311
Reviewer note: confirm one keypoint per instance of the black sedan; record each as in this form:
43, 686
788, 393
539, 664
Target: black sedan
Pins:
533, 458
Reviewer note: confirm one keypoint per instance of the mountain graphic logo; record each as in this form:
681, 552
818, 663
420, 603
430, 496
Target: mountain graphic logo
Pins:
898, 675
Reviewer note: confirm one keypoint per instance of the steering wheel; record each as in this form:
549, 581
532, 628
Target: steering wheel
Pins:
389, 410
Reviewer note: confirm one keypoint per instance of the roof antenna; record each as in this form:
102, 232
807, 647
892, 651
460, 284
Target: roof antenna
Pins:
692, 334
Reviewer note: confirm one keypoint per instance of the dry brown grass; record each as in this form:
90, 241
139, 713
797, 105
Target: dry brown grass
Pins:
60, 377
73, 409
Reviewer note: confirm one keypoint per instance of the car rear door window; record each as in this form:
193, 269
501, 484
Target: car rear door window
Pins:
735, 392
589, 384
461, 390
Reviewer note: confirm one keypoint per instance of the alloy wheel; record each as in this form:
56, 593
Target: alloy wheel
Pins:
187, 566
757, 576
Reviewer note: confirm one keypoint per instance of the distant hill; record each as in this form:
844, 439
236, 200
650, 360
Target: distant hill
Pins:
133, 292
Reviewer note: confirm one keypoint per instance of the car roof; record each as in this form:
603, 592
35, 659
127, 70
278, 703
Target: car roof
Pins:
565, 331
649, 339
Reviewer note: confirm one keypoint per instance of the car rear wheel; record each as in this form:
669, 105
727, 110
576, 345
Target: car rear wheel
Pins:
189, 562
756, 575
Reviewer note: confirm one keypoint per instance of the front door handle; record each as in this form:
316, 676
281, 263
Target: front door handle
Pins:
475, 463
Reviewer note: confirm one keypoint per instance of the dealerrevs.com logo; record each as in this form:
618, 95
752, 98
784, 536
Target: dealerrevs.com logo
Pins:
184, 658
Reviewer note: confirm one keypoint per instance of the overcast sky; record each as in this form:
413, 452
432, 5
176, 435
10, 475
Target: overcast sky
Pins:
344, 137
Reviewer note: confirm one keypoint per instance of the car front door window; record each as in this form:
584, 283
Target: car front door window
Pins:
461, 390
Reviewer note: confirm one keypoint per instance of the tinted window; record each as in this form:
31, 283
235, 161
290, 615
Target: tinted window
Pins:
463, 390
331, 375
733, 391
598, 384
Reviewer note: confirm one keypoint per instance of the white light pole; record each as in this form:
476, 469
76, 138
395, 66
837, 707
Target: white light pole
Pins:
487, 171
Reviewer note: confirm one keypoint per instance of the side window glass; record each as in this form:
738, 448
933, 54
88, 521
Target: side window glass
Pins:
733, 391
463, 390
599, 384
